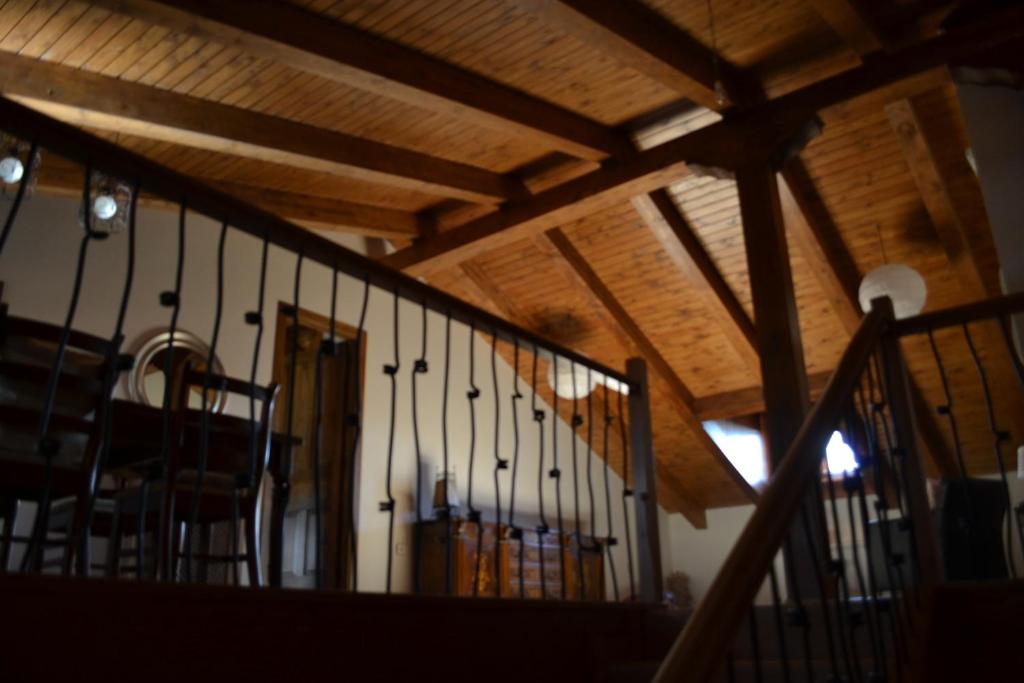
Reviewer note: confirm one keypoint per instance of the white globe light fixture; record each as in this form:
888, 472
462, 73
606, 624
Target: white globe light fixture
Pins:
571, 378
899, 282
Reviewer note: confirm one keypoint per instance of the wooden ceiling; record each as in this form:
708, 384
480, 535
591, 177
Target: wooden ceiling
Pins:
424, 121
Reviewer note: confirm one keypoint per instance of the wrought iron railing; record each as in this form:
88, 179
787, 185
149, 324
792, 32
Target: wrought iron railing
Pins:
174, 444
858, 545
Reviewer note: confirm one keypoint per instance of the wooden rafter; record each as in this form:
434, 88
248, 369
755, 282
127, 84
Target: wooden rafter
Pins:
720, 144
685, 250
919, 152
814, 233
638, 37
748, 401
58, 177
106, 103
850, 23
680, 395
313, 43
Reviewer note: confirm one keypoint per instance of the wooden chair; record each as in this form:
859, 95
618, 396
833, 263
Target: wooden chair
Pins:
63, 463
231, 483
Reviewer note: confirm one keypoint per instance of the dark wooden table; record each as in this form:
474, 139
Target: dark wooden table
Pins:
137, 440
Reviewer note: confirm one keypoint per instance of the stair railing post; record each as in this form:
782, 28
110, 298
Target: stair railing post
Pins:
648, 545
901, 406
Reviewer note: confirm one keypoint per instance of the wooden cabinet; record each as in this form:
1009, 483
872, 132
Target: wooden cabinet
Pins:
584, 567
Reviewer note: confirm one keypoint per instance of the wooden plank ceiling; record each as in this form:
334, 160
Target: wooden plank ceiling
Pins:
408, 118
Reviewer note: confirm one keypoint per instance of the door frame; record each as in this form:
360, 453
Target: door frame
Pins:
337, 558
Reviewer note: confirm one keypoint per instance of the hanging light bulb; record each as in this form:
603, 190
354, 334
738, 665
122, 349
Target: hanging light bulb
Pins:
898, 281
109, 202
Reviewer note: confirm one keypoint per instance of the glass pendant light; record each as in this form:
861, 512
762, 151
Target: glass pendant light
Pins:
898, 281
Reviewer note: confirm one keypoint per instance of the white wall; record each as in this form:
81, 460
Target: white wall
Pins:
37, 269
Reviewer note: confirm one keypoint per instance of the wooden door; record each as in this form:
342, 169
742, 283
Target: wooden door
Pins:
338, 466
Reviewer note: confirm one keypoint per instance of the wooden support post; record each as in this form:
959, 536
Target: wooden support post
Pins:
786, 394
648, 542
900, 404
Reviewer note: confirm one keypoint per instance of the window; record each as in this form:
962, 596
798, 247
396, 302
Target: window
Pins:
839, 456
743, 446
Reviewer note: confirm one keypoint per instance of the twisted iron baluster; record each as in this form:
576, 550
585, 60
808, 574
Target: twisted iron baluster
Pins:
850, 485
626, 494
609, 539
292, 364
556, 474
419, 367
118, 364
947, 409
1018, 367
847, 640
474, 515
797, 614
353, 420
779, 623
46, 446
499, 465
826, 612
577, 420
755, 644
171, 300
590, 474
255, 318
515, 533
19, 195
881, 511
999, 437
327, 347
388, 505
204, 415
444, 455
542, 528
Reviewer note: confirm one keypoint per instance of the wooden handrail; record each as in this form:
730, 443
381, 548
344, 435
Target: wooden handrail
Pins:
89, 150
995, 307
700, 650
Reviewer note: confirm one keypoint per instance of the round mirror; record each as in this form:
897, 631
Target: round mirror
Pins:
148, 378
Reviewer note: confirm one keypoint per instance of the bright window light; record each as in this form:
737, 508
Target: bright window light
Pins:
743, 446
839, 455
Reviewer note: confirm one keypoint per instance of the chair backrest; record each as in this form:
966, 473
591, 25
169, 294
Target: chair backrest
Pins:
81, 392
235, 446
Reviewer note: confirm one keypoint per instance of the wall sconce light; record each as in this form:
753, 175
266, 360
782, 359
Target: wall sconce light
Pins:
109, 203
13, 161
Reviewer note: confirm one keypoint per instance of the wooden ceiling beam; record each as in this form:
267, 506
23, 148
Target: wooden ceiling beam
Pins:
687, 252
61, 178
920, 154
720, 145
105, 103
748, 401
812, 229
311, 42
638, 37
850, 23
681, 396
